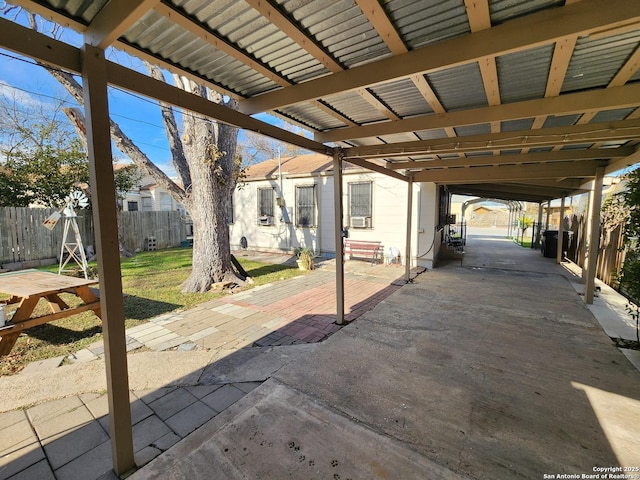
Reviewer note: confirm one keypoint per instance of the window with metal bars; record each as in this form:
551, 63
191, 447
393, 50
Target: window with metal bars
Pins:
265, 204
360, 199
306, 206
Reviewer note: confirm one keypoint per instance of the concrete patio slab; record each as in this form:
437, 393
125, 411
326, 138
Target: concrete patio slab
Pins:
278, 432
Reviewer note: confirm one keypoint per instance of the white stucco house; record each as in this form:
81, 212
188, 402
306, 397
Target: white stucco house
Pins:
147, 196
288, 203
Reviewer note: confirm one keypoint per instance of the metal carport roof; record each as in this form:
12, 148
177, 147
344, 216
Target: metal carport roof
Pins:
522, 98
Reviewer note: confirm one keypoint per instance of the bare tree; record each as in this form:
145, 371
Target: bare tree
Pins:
204, 157
257, 148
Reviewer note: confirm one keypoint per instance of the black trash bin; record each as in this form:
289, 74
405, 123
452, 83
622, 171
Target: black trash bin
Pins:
549, 245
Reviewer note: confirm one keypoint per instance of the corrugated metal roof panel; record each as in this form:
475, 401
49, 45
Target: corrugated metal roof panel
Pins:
561, 121
480, 129
246, 28
360, 111
541, 149
399, 137
340, 27
577, 146
79, 9
312, 116
459, 87
432, 134
478, 154
595, 62
503, 10
612, 115
420, 23
160, 36
515, 125
523, 75
405, 97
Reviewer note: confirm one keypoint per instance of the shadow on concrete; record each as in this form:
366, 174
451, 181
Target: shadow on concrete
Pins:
489, 371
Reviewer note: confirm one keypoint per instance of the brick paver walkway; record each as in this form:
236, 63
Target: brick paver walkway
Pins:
294, 311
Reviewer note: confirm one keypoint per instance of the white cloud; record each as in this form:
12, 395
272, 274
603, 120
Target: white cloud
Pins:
20, 97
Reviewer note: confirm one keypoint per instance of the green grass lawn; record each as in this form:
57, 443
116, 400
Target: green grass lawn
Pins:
151, 282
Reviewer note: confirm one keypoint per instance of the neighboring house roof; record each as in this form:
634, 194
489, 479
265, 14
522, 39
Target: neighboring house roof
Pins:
296, 165
299, 164
150, 186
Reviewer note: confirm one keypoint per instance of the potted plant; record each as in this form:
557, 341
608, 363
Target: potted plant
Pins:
305, 258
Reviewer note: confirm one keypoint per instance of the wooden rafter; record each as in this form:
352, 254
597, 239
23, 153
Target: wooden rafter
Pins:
381, 23
480, 19
114, 19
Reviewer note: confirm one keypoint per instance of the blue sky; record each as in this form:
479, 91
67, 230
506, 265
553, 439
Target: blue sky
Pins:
138, 117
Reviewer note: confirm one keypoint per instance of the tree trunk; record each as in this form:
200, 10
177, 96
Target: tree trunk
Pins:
210, 151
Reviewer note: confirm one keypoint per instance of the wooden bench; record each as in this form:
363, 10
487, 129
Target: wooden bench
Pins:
364, 249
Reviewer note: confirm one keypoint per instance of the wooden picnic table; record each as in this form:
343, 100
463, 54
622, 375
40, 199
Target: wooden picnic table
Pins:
26, 288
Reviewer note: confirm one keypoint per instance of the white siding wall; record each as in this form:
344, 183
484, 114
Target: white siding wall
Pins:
388, 216
327, 223
283, 235
428, 239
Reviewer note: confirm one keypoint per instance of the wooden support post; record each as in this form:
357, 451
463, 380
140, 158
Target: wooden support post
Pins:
337, 211
407, 256
594, 217
560, 251
586, 235
546, 222
539, 229
105, 218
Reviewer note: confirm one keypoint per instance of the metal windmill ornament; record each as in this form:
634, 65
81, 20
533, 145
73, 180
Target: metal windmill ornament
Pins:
72, 249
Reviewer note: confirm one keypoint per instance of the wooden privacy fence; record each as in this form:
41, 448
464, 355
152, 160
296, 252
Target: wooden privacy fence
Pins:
610, 254
24, 240
167, 228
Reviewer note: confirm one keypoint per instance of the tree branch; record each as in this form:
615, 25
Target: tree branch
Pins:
126, 146
173, 135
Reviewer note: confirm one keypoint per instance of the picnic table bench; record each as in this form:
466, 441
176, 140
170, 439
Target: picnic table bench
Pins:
364, 249
26, 288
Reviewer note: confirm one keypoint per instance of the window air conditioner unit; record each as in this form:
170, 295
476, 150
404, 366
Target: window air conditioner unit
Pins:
360, 222
265, 220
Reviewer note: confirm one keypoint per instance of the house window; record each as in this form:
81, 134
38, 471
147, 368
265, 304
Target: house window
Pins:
306, 206
265, 206
165, 202
147, 205
132, 206
360, 204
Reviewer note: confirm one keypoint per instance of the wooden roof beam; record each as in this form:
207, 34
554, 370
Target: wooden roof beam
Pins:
510, 172
114, 19
561, 156
618, 97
